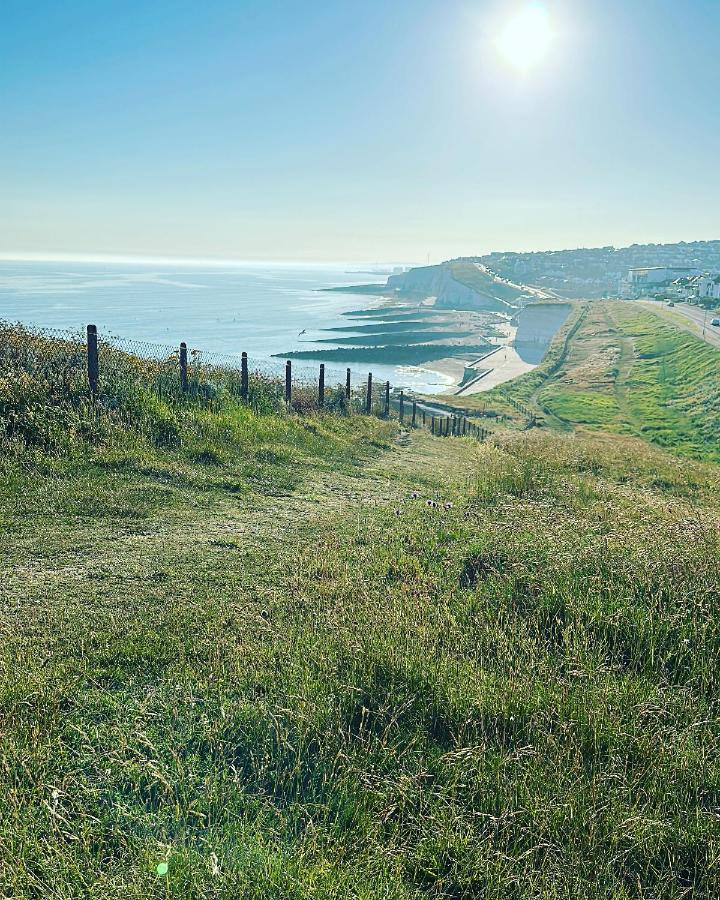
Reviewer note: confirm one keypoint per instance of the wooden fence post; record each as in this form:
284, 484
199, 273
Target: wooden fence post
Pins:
368, 399
423, 415
432, 425
347, 385
288, 382
183, 367
402, 406
321, 386
414, 414
244, 381
93, 369
387, 398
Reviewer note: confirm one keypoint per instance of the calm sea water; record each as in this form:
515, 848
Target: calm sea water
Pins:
261, 309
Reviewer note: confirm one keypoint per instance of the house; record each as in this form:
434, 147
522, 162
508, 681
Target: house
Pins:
708, 287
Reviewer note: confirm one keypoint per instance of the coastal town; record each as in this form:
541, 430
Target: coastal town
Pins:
680, 271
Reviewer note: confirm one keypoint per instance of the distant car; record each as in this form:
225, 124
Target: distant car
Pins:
715, 322
671, 303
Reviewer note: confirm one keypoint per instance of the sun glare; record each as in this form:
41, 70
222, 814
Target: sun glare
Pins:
525, 40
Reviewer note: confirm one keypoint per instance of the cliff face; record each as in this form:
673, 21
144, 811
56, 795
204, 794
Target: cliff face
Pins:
439, 282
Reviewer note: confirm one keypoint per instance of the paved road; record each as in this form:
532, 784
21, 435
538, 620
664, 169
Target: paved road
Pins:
693, 318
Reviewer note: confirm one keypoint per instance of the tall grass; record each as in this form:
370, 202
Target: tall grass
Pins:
503, 687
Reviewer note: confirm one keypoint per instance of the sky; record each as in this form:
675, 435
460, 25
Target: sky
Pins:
345, 130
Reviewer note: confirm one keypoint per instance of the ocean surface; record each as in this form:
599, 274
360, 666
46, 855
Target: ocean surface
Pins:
257, 308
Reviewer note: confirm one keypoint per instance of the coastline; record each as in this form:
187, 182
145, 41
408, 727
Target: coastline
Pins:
496, 347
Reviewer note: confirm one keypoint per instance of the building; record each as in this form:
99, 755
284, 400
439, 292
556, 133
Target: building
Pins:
652, 279
708, 287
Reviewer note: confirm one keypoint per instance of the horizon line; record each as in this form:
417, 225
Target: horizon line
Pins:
131, 259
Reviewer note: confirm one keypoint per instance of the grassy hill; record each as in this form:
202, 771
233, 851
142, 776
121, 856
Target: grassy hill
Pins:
312, 656
621, 368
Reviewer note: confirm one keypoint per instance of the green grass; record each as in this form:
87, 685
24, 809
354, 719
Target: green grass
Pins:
645, 376
257, 657
359, 695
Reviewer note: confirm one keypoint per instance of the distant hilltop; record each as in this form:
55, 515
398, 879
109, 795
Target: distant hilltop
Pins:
503, 281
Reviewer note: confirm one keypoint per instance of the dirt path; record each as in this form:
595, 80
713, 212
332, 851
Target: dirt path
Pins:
624, 367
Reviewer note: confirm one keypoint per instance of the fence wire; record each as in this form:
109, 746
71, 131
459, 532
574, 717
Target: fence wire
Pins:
135, 382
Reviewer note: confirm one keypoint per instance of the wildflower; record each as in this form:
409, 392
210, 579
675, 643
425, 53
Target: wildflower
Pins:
397, 512
415, 495
448, 506
430, 502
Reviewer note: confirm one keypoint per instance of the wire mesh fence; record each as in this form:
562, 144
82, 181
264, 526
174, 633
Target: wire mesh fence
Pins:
96, 380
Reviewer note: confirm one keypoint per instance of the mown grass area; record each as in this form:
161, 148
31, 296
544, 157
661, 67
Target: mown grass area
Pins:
505, 687
619, 367
630, 371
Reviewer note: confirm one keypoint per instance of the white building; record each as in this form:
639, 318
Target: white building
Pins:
646, 280
708, 287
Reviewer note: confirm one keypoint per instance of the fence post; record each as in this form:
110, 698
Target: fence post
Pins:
92, 359
387, 398
368, 399
347, 385
288, 381
447, 426
183, 367
321, 386
244, 385
402, 406
432, 425
414, 416
423, 415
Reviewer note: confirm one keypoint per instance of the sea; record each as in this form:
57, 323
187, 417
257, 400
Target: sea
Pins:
259, 308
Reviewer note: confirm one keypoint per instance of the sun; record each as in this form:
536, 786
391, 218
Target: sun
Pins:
525, 40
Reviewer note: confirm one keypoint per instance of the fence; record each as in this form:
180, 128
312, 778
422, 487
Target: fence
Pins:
112, 372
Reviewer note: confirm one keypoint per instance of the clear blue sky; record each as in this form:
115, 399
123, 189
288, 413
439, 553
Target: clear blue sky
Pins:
349, 130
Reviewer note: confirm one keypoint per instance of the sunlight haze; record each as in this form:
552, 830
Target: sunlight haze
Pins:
326, 131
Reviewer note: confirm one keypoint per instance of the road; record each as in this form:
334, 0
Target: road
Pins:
693, 318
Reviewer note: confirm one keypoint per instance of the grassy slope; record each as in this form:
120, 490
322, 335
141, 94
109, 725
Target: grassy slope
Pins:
620, 367
254, 656
630, 371
348, 693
